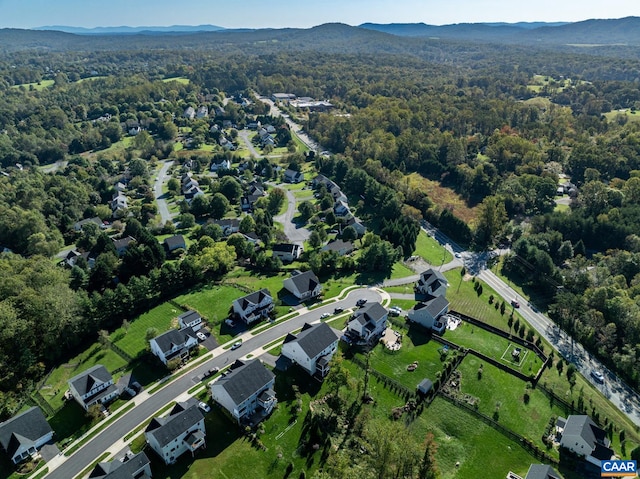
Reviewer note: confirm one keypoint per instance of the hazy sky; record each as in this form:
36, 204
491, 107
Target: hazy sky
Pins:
291, 13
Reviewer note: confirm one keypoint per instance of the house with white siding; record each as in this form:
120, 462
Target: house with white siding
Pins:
312, 348
181, 431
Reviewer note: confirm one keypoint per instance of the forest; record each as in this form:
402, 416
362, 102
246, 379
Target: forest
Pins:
468, 117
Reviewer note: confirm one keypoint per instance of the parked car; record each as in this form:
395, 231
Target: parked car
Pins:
338, 310
204, 406
201, 336
515, 303
361, 302
324, 315
598, 376
211, 372
236, 345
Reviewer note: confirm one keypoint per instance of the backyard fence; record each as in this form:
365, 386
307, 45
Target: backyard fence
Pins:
120, 352
386, 380
526, 443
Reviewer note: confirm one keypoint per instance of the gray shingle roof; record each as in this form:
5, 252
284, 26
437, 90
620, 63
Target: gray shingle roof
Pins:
189, 316
175, 241
87, 380
542, 471
245, 380
121, 470
372, 311
176, 337
253, 298
313, 339
433, 279
306, 281
583, 426
434, 305
181, 418
285, 247
25, 428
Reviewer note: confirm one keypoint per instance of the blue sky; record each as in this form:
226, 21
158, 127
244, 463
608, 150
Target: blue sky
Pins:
292, 13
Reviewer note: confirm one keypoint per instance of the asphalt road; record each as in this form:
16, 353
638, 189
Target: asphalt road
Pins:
244, 136
163, 208
88, 453
297, 234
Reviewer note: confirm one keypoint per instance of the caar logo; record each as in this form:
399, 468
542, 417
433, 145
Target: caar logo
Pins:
618, 469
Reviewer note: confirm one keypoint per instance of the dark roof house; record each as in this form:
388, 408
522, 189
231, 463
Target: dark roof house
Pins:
22, 435
131, 466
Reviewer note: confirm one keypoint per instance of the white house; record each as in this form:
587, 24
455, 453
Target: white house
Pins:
181, 431
339, 246
173, 343
229, 226
432, 283
303, 286
368, 323
202, 112
287, 252
130, 466
312, 348
190, 319
427, 312
292, 176
581, 436
93, 386
220, 164
80, 224
254, 307
23, 435
122, 244
246, 391
189, 113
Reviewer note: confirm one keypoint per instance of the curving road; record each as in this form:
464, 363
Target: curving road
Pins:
163, 208
66, 468
613, 388
297, 234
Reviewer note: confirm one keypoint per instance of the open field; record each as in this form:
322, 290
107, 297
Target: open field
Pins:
133, 341
430, 250
41, 85
444, 197
625, 114
183, 80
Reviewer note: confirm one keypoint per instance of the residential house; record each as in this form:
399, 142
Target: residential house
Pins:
248, 201
80, 224
542, 471
292, 176
427, 312
356, 225
304, 286
190, 319
203, 112
219, 111
214, 129
253, 125
341, 247
341, 208
175, 343
119, 204
93, 386
189, 113
287, 252
220, 164
23, 435
256, 189
130, 466
254, 307
246, 391
226, 144
122, 244
120, 187
244, 165
134, 130
174, 242
367, 324
270, 128
312, 348
192, 192
181, 431
227, 123
74, 255
582, 438
229, 226
432, 283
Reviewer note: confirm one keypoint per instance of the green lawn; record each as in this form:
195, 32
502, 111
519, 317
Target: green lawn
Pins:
182, 80
494, 346
464, 298
431, 251
133, 341
36, 85
56, 384
415, 347
498, 387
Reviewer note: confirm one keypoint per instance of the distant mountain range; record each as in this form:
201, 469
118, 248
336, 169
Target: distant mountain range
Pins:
124, 30
625, 31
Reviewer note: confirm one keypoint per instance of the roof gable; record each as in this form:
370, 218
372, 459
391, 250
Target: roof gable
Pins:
174, 337
313, 339
177, 423
23, 429
89, 379
245, 379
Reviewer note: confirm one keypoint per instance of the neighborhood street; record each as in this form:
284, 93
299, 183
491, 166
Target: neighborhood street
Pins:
244, 136
163, 208
66, 468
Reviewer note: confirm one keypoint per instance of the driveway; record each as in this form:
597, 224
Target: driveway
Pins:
163, 208
296, 233
244, 136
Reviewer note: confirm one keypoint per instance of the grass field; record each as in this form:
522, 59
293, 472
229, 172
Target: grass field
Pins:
133, 341
493, 346
415, 347
183, 80
56, 384
430, 250
36, 85
625, 113
498, 387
